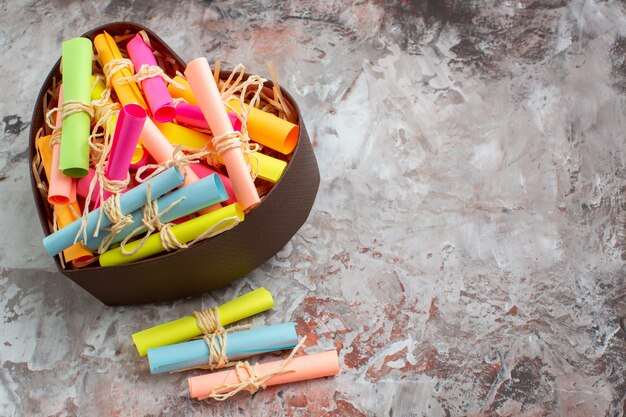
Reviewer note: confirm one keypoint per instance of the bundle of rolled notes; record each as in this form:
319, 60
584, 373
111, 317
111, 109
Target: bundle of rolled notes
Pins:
140, 158
169, 349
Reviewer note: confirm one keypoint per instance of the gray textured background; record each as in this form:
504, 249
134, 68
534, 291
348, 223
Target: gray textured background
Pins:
466, 250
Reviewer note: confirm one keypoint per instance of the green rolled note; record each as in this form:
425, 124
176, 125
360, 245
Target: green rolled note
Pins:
76, 69
185, 232
187, 328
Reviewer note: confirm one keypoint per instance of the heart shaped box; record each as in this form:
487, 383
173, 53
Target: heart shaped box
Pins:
209, 264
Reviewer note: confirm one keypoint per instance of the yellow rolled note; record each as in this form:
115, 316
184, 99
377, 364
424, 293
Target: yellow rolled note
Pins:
184, 233
264, 128
268, 168
185, 94
187, 328
127, 93
265, 166
181, 135
269, 130
65, 213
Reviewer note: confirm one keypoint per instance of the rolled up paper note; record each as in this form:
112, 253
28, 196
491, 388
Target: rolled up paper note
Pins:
76, 69
202, 170
129, 202
205, 90
154, 88
191, 115
127, 130
181, 135
211, 223
299, 368
238, 345
61, 188
269, 130
185, 94
187, 328
82, 189
96, 94
179, 203
161, 149
265, 166
65, 213
127, 92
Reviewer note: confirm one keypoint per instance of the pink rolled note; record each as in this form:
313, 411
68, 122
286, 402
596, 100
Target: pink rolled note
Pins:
127, 130
161, 149
300, 368
203, 170
158, 98
61, 188
191, 115
82, 189
205, 90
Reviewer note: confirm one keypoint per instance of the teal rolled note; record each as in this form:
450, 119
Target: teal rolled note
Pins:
76, 69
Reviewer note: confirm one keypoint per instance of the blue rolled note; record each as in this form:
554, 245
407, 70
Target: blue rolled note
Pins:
129, 202
194, 197
238, 345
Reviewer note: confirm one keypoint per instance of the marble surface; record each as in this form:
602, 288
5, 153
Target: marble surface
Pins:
466, 250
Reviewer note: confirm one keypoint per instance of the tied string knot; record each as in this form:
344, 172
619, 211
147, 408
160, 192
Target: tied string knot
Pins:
71, 107
119, 221
208, 320
234, 140
68, 108
179, 160
114, 66
216, 342
149, 71
249, 379
151, 221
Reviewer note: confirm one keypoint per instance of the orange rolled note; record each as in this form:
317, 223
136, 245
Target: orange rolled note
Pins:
300, 368
185, 94
61, 188
269, 130
65, 213
161, 149
205, 90
127, 93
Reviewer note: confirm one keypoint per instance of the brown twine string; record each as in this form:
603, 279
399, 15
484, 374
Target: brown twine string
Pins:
149, 71
111, 207
37, 167
151, 221
145, 38
251, 382
115, 65
277, 92
208, 320
216, 71
230, 92
170, 242
179, 160
100, 145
